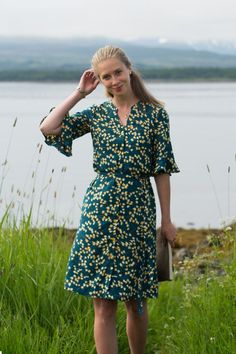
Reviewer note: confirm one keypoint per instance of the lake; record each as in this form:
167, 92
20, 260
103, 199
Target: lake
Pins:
202, 129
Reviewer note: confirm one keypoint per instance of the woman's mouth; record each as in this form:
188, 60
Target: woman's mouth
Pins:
117, 88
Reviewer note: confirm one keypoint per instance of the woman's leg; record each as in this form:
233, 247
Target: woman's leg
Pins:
136, 327
105, 326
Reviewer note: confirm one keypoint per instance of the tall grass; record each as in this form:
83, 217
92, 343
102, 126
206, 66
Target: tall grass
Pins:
193, 314
198, 309
37, 314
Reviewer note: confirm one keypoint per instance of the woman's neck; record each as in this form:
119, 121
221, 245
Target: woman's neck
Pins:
124, 101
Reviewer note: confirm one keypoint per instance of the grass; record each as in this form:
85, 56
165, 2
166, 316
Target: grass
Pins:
37, 314
193, 314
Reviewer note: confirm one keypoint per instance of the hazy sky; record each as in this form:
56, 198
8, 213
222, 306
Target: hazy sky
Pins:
173, 19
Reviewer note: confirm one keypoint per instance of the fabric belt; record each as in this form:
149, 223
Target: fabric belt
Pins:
122, 174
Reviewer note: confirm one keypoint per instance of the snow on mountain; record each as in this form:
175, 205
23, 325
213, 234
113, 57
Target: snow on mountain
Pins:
214, 45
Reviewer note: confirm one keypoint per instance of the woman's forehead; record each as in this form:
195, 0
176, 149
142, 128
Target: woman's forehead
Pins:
107, 66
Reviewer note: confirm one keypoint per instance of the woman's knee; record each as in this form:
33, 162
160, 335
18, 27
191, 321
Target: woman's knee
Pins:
105, 308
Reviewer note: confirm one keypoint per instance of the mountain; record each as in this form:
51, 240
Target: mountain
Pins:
73, 53
213, 46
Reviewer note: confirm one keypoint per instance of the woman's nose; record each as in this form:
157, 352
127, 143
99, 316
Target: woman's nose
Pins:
114, 80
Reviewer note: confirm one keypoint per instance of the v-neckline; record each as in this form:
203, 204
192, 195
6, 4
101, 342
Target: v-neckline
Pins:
115, 109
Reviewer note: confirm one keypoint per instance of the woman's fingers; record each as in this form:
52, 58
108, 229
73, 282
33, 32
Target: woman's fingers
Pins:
88, 81
169, 232
89, 72
90, 76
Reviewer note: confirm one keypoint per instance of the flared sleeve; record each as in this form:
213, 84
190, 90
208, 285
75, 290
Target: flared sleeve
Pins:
163, 160
73, 127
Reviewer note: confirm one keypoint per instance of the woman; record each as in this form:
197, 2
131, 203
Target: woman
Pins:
114, 252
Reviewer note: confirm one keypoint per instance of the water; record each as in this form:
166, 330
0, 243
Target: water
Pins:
203, 125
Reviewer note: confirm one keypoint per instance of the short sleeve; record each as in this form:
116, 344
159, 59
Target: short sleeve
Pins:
73, 127
163, 160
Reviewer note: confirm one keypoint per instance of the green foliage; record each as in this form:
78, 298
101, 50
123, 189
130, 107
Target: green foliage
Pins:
37, 314
193, 314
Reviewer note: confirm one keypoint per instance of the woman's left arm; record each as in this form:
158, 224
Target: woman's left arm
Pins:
168, 230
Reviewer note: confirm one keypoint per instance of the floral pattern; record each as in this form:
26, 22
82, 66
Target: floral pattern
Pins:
113, 255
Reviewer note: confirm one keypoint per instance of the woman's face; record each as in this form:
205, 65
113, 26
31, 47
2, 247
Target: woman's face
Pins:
115, 76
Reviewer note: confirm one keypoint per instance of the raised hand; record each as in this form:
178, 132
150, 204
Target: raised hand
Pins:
88, 81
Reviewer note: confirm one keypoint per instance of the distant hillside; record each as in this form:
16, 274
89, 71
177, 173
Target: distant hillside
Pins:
35, 59
72, 54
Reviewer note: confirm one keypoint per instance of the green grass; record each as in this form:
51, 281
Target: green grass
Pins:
194, 314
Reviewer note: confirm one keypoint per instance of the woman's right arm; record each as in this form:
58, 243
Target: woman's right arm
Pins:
53, 122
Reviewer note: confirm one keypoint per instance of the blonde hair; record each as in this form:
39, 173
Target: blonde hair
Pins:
136, 81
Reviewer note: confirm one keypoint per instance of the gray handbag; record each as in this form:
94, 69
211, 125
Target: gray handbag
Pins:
164, 259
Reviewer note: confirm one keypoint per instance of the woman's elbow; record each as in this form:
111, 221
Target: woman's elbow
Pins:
46, 131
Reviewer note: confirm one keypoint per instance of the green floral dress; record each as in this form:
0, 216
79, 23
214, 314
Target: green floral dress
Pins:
114, 251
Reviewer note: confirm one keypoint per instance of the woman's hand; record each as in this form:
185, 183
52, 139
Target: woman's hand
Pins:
168, 231
88, 81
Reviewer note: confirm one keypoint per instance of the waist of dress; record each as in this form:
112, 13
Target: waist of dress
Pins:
122, 174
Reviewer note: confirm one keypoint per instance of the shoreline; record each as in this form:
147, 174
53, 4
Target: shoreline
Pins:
160, 74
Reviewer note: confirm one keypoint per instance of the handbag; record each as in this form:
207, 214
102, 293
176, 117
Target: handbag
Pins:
164, 259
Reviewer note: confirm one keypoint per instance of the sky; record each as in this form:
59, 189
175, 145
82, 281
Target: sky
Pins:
182, 20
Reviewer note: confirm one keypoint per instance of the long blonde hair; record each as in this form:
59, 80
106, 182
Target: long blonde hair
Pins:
136, 81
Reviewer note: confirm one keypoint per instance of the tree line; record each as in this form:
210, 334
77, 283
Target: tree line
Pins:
166, 74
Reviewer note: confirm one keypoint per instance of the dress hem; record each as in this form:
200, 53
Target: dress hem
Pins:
138, 298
